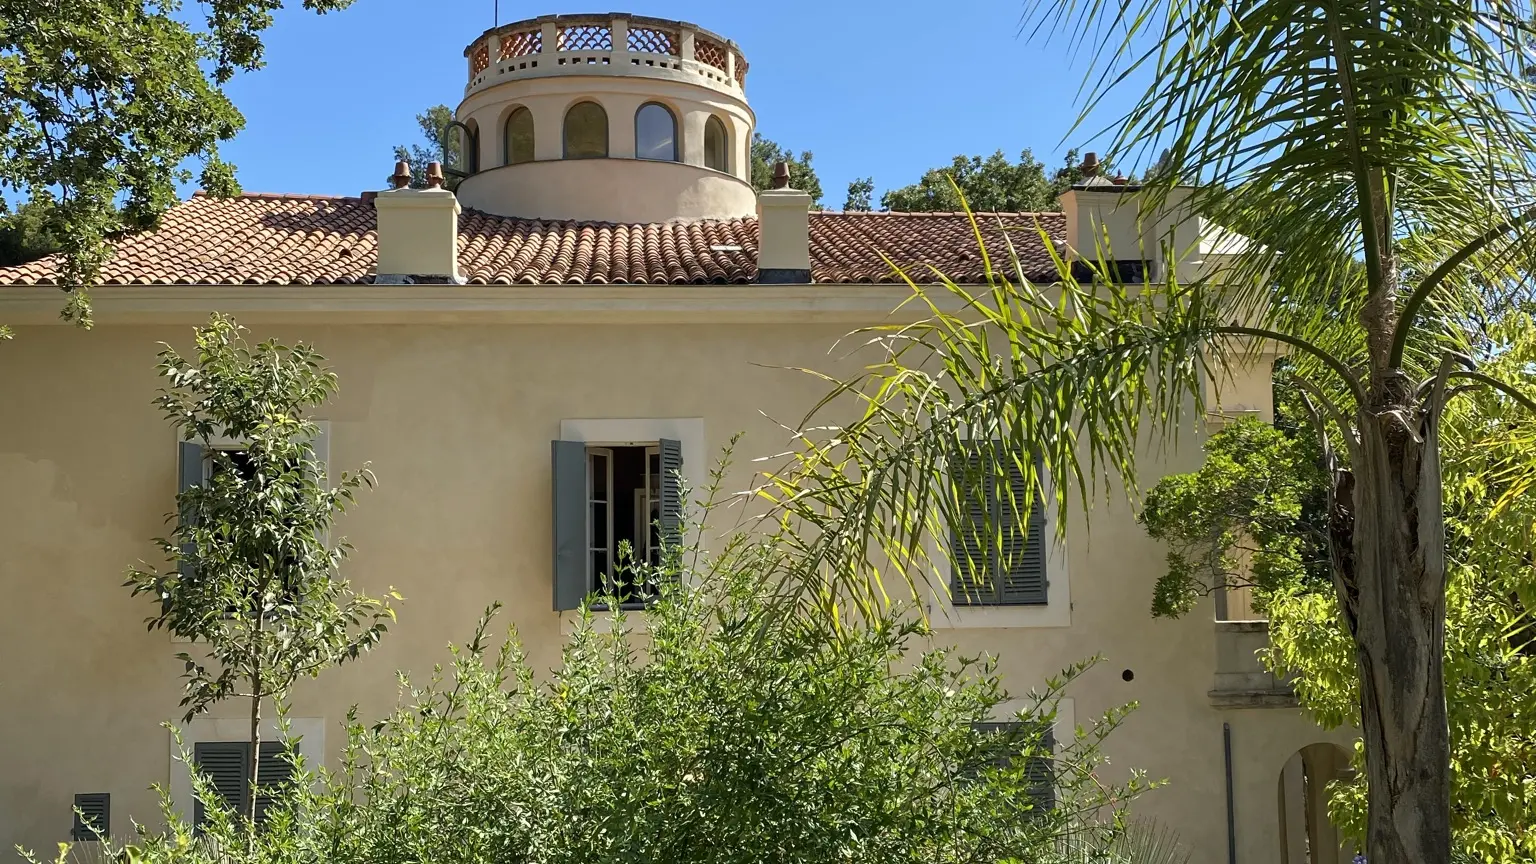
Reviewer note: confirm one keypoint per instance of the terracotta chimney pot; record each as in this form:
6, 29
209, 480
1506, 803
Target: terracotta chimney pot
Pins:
402, 176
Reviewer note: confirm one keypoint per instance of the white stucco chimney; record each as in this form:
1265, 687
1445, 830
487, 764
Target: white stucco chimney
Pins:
783, 232
1104, 218
418, 230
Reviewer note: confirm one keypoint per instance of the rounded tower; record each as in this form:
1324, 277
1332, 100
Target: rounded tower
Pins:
608, 118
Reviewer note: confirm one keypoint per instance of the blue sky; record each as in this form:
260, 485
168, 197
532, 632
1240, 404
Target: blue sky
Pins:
883, 89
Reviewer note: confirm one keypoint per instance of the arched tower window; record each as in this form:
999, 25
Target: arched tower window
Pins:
717, 145
655, 133
518, 142
586, 131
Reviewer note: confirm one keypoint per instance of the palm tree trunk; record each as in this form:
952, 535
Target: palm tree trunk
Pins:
1394, 604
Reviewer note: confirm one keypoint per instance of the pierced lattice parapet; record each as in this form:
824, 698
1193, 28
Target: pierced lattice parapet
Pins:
586, 37
741, 71
479, 60
706, 50
521, 44
652, 40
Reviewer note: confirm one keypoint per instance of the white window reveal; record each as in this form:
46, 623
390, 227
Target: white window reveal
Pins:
615, 506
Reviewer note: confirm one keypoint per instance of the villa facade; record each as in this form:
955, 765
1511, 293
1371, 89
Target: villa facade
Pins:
604, 285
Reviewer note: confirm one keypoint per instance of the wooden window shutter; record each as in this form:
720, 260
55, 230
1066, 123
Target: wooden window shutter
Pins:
569, 516
1042, 773
970, 551
93, 816
997, 561
191, 470
1024, 580
671, 492
273, 773
224, 764
1039, 770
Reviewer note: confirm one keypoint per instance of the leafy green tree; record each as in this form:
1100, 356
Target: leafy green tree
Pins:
1266, 482
801, 175
105, 101
253, 575
442, 145
27, 235
1377, 157
993, 184
859, 192
1252, 516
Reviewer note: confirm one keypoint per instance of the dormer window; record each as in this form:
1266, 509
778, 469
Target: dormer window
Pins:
717, 146
519, 137
586, 131
655, 133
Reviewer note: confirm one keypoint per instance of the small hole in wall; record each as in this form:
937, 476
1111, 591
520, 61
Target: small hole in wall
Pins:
1127, 675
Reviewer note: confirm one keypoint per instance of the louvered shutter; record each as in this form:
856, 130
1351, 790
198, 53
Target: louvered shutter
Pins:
970, 551
92, 816
569, 515
1024, 580
1042, 772
671, 492
1039, 771
272, 774
190, 471
224, 764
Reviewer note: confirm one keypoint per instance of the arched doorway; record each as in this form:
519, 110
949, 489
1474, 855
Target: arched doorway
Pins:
1306, 834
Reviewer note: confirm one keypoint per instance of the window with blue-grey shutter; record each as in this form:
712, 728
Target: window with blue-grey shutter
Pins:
998, 559
608, 499
92, 816
569, 514
191, 471
1013, 738
227, 766
671, 492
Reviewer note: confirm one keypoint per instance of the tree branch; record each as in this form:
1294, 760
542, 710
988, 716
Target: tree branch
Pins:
1329, 360
1439, 274
1501, 386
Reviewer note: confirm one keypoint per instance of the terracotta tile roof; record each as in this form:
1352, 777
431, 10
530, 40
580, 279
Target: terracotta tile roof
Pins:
847, 247
315, 240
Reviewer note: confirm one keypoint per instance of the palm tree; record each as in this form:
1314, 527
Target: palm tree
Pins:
1378, 152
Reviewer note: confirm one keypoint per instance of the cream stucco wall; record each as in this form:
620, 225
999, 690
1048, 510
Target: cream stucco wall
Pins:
628, 191
456, 418
620, 188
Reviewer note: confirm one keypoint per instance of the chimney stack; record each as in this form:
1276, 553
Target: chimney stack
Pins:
783, 232
418, 230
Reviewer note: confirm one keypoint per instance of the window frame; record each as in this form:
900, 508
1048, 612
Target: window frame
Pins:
565, 130
631, 432
677, 143
600, 582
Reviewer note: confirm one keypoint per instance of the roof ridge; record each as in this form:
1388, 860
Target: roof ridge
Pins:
276, 196
946, 213
586, 223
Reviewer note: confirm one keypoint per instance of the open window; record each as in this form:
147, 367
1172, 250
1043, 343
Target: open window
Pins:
615, 506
